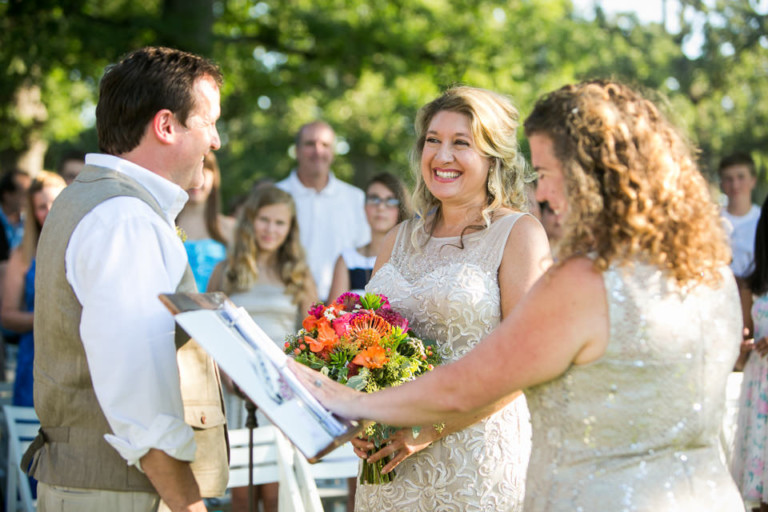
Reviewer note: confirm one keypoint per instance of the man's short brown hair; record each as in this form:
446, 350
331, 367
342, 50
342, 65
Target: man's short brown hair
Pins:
140, 85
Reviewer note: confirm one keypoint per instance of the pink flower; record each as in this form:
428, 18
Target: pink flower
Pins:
393, 318
316, 310
341, 324
348, 300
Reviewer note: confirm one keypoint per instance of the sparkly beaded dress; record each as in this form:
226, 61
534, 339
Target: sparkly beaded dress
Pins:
637, 429
451, 295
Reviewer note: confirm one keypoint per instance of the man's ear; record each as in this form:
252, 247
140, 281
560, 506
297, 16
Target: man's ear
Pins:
165, 126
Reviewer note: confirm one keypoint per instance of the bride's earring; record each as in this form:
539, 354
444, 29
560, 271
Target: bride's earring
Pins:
493, 187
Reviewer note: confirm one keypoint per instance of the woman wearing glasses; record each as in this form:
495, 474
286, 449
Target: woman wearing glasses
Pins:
455, 270
386, 205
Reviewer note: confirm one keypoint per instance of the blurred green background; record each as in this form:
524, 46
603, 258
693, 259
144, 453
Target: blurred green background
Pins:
366, 66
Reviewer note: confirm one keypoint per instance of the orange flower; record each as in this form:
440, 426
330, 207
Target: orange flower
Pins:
314, 345
309, 323
369, 329
326, 334
371, 357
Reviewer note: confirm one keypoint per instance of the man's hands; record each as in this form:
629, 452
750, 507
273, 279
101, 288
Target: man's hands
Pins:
173, 480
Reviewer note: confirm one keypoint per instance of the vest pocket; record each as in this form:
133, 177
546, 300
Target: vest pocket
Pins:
204, 416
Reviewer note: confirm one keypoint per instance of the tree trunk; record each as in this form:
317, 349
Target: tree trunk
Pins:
190, 24
31, 113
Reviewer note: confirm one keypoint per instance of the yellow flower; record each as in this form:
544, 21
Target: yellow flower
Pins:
181, 234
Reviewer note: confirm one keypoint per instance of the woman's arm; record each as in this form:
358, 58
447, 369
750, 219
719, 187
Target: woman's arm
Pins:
12, 315
340, 282
386, 250
748, 343
309, 297
216, 281
227, 228
562, 321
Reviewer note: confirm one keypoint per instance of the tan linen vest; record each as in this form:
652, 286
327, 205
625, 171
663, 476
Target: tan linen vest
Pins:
70, 449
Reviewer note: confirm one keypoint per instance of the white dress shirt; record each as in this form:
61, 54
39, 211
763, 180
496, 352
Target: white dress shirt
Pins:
329, 221
120, 257
741, 232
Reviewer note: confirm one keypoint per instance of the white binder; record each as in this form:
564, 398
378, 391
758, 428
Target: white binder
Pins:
258, 367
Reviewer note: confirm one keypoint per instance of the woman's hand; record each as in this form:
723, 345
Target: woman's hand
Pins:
746, 347
400, 445
361, 445
336, 397
761, 346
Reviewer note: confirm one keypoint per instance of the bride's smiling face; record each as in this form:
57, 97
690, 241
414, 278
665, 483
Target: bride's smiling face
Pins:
453, 169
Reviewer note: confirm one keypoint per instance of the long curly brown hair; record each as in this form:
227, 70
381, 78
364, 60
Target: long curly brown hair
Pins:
242, 269
633, 188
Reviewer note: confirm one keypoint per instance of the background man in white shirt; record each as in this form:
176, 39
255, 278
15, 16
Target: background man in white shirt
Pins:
738, 178
108, 388
330, 212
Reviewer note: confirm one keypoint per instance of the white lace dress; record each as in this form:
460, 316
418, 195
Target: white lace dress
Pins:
451, 295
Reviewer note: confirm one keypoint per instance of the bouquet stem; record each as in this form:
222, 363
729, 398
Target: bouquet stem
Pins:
370, 473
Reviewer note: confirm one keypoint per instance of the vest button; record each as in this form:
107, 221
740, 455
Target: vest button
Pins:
202, 419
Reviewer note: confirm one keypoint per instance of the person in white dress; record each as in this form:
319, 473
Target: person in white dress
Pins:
455, 270
624, 346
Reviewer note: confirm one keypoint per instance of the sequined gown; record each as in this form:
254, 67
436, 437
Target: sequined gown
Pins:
451, 295
637, 429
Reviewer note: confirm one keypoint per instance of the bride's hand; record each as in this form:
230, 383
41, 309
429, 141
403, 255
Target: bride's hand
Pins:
335, 397
362, 446
402, 445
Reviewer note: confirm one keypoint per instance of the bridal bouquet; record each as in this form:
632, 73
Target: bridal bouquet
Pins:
363, 343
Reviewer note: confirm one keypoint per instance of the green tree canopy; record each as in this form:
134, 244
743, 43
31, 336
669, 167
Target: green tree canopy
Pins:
366, 67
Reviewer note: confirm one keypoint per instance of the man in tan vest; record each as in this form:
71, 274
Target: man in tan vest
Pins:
130, 410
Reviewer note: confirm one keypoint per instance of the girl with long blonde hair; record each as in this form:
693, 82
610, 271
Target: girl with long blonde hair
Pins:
267, 274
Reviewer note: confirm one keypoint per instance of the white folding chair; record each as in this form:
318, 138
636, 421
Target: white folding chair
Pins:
340, 464
22, 425
731, 417
274, 460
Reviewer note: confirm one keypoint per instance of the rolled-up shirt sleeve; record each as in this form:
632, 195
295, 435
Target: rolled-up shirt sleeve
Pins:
121, 256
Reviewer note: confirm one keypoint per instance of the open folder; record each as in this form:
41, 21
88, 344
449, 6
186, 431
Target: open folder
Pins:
258, 367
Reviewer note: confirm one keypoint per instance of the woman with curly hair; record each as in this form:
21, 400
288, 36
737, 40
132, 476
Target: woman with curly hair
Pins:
455, 270
267, 274
623, 348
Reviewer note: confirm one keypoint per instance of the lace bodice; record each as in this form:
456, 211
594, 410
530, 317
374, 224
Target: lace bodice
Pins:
637, 429
451, 295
